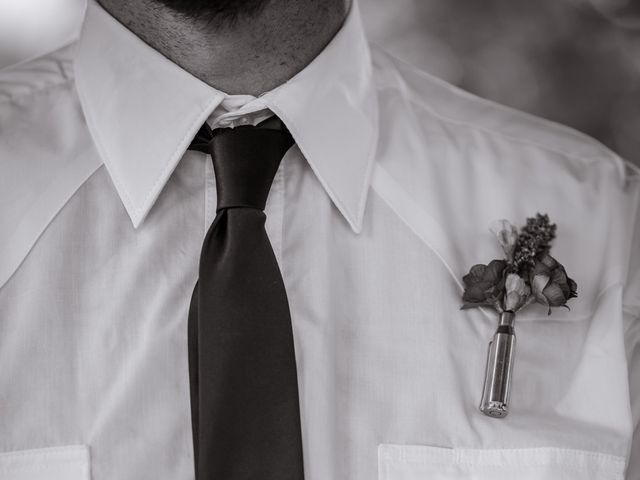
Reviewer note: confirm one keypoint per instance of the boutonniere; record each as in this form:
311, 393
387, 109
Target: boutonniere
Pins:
526, 275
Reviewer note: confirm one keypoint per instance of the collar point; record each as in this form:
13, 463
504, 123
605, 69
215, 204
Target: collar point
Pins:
136, 223
356, 225
355, 219
137, 217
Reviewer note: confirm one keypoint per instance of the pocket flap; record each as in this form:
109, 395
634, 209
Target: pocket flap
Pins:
413, 462
58, 463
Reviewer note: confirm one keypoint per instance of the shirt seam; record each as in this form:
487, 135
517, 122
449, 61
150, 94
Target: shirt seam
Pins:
595, 158
44, 451
72, 194
36, 91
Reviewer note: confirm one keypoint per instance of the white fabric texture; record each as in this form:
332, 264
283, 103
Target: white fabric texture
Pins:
375, 215
61, 463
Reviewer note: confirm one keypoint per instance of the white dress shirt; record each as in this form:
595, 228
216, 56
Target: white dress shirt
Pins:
375, 215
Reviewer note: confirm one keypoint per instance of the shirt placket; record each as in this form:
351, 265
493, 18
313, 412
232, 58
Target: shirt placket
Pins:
210, 194
275, 213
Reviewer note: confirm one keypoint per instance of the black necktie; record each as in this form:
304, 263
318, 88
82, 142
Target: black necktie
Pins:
242, 370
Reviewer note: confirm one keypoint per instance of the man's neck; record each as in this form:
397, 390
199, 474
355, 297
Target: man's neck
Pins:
252, 56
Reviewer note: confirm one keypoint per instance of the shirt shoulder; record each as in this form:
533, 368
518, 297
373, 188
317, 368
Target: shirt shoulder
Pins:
434, 102
46, 150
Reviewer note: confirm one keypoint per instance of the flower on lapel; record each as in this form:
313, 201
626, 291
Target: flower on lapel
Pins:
484, 285
527, 274
550, 283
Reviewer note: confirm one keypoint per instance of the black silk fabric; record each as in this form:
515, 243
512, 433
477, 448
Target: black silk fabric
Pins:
242, 370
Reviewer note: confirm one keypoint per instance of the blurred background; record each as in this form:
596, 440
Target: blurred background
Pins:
576, 62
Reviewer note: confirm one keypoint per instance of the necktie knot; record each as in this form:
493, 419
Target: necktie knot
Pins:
245, 161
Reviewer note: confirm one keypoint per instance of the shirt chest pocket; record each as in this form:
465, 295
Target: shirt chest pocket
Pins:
412, 462
58, 463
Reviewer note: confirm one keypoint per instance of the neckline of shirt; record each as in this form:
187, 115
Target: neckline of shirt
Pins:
130, 83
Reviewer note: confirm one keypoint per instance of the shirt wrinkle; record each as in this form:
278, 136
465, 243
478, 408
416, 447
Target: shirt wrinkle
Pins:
15, 78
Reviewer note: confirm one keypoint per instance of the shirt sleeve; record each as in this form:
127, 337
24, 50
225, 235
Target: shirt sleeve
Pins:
631, 308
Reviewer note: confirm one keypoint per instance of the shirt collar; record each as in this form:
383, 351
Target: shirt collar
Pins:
143, 110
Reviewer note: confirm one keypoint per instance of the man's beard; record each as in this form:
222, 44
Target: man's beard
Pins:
224, 12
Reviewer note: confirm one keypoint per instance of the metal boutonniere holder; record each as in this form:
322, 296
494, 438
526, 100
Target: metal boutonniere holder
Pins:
528, 274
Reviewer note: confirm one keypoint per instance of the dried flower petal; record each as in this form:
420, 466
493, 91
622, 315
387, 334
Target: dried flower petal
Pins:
484, 285
516, 292
550, 283
507, 235
554, 295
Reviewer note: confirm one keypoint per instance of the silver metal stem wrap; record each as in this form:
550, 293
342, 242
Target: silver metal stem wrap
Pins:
497, 382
